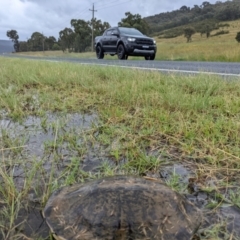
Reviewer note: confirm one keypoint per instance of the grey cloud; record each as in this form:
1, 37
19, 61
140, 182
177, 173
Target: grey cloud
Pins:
51, 16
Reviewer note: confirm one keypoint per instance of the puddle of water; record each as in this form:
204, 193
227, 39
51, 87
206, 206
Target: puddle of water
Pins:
34, 138
37, 131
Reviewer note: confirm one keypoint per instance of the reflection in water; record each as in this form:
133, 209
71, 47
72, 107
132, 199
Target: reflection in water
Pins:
37, 133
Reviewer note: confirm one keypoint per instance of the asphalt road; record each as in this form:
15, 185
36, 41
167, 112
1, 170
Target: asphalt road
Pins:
185, 67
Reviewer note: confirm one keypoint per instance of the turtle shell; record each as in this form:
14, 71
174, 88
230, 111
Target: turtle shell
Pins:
121, 207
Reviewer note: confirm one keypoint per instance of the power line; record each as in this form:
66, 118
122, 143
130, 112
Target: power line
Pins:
114, 5
106, 4
102, 5
83, 11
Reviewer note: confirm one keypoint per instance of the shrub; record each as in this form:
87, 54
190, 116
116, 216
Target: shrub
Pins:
56, 47
188, 32
220, 33
238, 37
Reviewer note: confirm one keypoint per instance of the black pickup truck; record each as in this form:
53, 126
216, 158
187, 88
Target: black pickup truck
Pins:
125, 42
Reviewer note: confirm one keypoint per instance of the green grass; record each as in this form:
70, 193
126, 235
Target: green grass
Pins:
145, 118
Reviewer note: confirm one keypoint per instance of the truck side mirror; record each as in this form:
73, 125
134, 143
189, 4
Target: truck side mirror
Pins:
115, 34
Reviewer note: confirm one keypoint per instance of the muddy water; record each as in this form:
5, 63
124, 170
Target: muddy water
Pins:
34, 131
41, 139
37, 137
34, 140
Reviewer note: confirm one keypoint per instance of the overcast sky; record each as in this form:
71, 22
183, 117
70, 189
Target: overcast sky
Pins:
51, 16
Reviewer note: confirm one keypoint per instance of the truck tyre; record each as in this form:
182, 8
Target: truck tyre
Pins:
121, 52
99, 52
152, 57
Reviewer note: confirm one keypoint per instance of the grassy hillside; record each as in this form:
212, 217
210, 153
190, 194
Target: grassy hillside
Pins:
215, 48
196, 16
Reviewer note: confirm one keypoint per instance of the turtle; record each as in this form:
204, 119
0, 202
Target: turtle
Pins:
119, 208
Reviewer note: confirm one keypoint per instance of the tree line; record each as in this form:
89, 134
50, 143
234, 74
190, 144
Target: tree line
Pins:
75, 38
206, 12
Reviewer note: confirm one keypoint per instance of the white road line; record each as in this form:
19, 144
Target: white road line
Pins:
51, 61
165, 70
155, 69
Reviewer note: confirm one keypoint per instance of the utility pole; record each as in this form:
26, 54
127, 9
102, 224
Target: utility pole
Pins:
92, 10
43, 40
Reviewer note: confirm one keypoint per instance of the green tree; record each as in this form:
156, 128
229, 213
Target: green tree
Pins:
37, 42
56, 47
50, 42
83, 34
206, 29
134, 21
23, 47
13, 35
238, 37
66, 39
188, 32
196, 9
231, 12
184, 20
205, 4
98, 26
184, 9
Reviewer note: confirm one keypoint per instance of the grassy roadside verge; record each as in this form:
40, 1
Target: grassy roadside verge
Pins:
145, 119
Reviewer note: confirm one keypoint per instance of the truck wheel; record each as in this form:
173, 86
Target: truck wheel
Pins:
152, 57
121, 52
99, 52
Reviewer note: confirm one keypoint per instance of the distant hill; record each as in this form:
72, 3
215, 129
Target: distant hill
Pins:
6, 46
200, 17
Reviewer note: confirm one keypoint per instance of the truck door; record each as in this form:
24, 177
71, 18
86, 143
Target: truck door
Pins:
114, 40
106, 41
